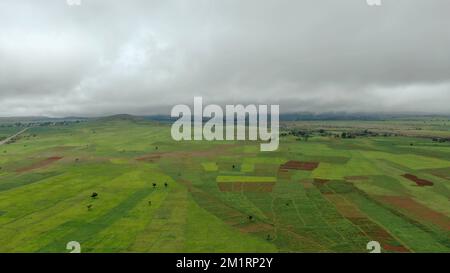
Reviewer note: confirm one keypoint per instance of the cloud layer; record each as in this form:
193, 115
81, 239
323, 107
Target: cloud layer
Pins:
142, 57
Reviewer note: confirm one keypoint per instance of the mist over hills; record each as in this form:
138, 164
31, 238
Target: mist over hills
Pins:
303, 116
143, 57
39, 119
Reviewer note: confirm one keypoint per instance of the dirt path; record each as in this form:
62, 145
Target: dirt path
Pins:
11, 137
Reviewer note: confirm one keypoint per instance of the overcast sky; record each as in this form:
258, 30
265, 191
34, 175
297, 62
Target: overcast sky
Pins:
142, 57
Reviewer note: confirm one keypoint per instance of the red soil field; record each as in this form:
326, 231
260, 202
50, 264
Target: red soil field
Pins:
392, 248
40, 164
378, 233
230, 215
410, 206
299, 165
366, 225
420, 182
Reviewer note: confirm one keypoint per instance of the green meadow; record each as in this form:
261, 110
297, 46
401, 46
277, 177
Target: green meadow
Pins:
321, 193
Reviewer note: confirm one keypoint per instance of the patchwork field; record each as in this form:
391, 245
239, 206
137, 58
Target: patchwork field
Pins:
320, 193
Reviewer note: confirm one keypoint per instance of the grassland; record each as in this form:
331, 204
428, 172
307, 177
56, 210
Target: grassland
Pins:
323, 194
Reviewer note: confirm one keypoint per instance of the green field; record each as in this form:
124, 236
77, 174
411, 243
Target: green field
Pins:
158, 195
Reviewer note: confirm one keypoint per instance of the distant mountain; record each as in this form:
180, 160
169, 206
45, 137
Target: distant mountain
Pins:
125, 117
301, 116
353, 116
333, 116
306, 116
32, 119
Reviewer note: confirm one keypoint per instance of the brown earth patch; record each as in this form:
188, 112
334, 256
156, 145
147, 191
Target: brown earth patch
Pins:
186, 183
345, 208
308, 185
256, 228
299, 165
367, 226
40, 164
320, 184
235, 218
321, 180
378, 233
149, 158
228, 214
420, 182
246, 186
392, 248
420, 211
284, 174
441, 173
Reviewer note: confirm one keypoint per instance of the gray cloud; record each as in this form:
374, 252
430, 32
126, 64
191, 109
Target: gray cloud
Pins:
141, 57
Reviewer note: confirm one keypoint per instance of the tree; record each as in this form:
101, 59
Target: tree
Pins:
165, 184
154, 185
250, 217
149, 203
94, 195
89, 207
